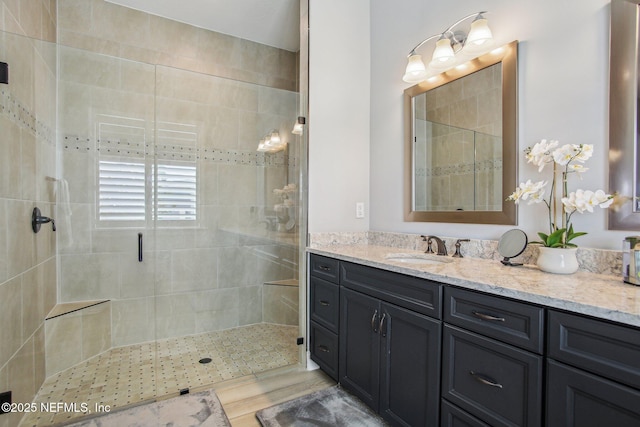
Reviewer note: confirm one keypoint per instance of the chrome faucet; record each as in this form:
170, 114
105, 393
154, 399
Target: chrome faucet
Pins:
442, 248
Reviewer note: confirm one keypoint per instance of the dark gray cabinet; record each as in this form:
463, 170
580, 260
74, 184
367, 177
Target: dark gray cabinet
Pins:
390, 355
576, 398
360, 346
513, 322
452, 416
409, 367
424, 354
593, 372
489, 369
324, 302
498, 383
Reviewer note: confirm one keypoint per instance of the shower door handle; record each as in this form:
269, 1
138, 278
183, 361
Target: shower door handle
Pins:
139, 247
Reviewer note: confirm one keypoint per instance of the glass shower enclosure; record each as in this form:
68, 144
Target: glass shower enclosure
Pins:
177, 241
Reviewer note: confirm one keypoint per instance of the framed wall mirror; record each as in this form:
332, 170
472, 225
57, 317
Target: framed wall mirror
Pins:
461, 142
624, 158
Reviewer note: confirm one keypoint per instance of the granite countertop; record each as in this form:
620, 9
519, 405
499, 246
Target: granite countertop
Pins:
597, 295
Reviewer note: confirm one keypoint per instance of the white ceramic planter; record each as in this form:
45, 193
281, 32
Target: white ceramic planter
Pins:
557, 260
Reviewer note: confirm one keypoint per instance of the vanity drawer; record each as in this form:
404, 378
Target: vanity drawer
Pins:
419, 295
324, 267
324, 303
452, 416
610, 350
509, 321
498, 383
324, 349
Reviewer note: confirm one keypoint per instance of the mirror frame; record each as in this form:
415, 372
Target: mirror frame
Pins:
623, 110
508, 56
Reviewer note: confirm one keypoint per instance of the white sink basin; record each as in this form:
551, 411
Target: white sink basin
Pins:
420, 259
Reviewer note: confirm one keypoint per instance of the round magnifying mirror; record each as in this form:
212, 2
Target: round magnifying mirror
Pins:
511, 244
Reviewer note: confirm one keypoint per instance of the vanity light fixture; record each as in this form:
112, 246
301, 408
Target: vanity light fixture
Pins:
275, 140
450, 42
299, 126
271, 143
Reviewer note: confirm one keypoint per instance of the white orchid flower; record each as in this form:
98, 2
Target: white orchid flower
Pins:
585, 200
586, 151
578, 168
540, 153
565, 154
529, 190
602, 199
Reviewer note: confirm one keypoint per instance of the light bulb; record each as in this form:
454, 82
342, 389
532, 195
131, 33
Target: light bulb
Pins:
416, 71
298, 128
443, 55
480, 36
275, 138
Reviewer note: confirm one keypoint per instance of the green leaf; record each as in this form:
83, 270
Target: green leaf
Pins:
554, 239
573, 234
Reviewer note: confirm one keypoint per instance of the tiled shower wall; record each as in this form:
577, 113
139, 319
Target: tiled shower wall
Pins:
103, 27
27, 158
196, 277
208, 275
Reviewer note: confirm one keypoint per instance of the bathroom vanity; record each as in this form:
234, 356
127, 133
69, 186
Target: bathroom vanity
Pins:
472, 342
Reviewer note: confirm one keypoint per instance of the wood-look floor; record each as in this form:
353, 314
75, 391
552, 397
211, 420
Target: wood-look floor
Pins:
242, 398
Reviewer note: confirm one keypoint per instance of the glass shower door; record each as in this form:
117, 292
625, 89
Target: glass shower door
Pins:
226, 230
106, 138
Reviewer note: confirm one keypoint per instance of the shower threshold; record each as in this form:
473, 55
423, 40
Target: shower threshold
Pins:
127, 376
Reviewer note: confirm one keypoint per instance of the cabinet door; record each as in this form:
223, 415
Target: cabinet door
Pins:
360, 346
410, 367
576, 398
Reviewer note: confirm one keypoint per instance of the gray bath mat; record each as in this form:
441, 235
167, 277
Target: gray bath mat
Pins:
330, 407
197, 409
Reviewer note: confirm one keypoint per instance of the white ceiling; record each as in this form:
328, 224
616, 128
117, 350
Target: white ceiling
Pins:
271, 22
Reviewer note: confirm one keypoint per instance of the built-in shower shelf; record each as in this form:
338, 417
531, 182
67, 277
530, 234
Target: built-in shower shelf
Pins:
70, 307
288, 282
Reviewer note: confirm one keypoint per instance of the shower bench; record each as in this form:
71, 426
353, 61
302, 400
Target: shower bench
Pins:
75, 332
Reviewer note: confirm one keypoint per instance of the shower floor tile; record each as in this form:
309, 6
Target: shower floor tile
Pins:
129, 375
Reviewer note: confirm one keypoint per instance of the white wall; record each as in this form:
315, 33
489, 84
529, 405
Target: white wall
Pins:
563, 94
339, 68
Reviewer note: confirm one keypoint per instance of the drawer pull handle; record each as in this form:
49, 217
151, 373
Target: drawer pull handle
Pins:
325, 303
324, 349
381, 327
484, 316
324, 268
373, 321
485, 380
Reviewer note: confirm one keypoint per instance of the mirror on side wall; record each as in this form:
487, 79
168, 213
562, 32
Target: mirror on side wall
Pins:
461, 142
623, 115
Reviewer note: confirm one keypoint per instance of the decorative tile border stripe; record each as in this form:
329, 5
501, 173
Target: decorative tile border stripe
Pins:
460, 168
138, 149
22, 116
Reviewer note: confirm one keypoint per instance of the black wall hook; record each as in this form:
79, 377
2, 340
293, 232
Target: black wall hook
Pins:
4, 73
37, 220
